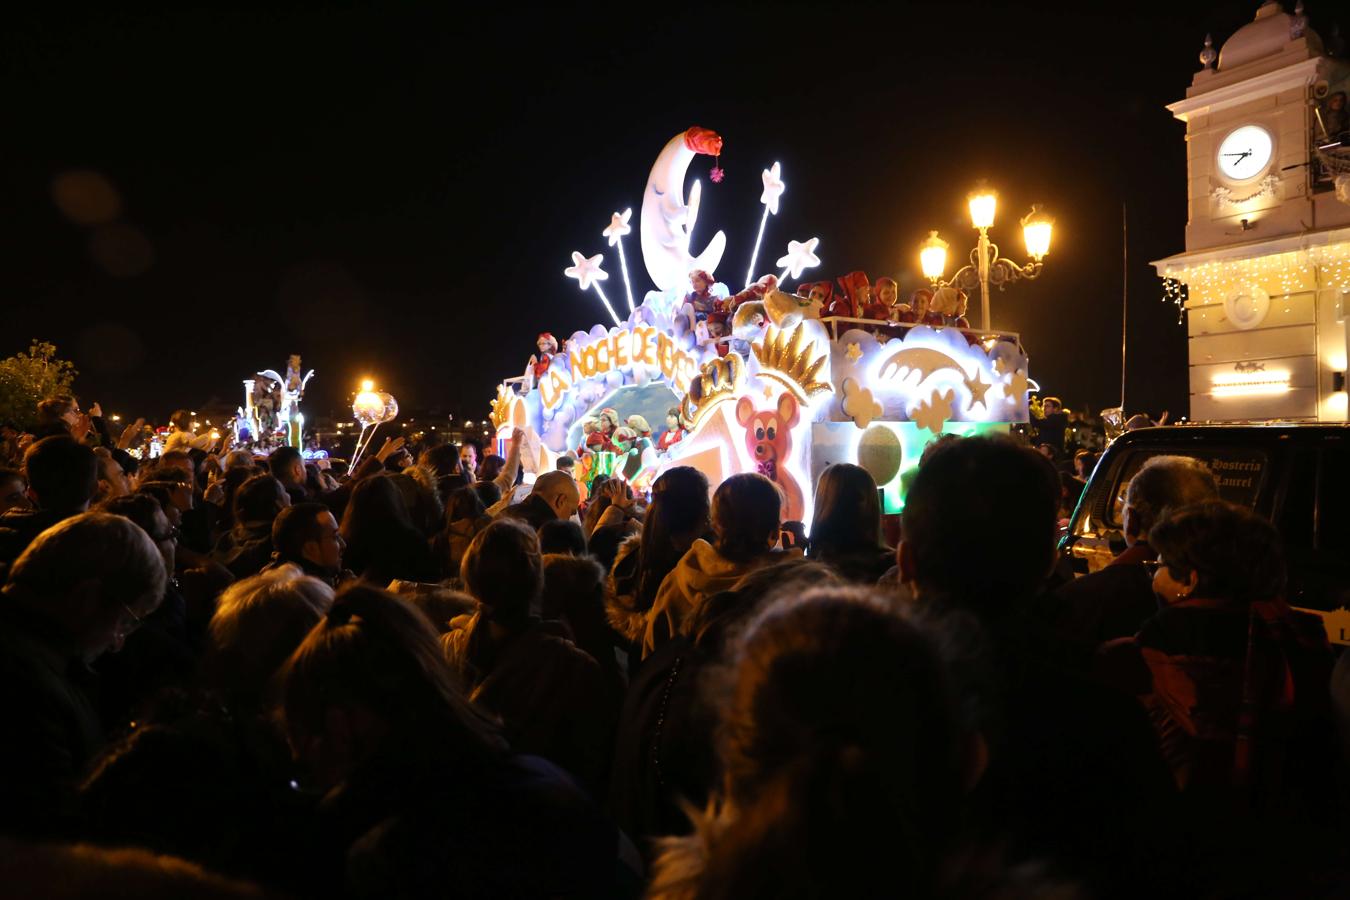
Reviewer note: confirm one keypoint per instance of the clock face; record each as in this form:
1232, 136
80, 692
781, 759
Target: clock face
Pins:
1245, 153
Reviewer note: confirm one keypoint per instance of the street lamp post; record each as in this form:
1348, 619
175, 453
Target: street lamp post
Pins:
986, 267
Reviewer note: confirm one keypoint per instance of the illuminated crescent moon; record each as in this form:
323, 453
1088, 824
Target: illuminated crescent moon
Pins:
918, 359
667, 222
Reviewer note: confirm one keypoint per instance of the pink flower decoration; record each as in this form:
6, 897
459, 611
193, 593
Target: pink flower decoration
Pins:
717, 174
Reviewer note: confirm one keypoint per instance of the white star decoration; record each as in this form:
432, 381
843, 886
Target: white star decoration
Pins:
773, 188
585, 270
618, 226
800, 255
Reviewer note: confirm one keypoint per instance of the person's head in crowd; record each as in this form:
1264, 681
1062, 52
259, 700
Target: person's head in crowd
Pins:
847, 513
424, 507
470, 452
181, 420
259, 499
1048, 451
257, 625
1162, 483
238, 459
679, 513
1139, 420
370, 681
288, 466
59, 410
1051, 405
718, 618
746, 513
178, 489
112, 480
93, 578
307, 534
62, 475
1217, 551
146, 512
1083, 462
162, 492
560, 492
376, 509
503, 570
566, 463
562, 536
987, 492
464, 504
234, 479
211, 469
441, 463
491, 467
844, 756
13, 491
181, 460
488, 493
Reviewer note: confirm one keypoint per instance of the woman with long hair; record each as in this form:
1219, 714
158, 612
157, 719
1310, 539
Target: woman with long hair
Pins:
846, 527
382, 542
550, 694
422, 793
677, 515
746, 513
843, 755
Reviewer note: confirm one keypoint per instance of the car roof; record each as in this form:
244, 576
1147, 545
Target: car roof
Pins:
1240, 433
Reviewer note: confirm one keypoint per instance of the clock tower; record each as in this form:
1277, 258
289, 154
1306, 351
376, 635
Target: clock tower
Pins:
1262, 284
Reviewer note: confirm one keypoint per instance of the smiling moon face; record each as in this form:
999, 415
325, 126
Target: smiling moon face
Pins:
667, 222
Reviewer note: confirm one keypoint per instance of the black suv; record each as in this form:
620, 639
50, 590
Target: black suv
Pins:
1297, 476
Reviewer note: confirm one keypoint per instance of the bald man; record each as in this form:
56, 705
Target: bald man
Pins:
555, 496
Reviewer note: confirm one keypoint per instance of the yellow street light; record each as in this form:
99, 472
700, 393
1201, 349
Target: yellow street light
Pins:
983, 203
933, 256
1036, 228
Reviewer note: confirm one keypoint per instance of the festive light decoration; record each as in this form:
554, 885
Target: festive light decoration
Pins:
587, 272
1282, 273
617, 229
372, 409
667, 222
801, 255
1249, 384
773, 189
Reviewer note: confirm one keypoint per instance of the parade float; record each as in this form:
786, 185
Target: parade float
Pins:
761, 378
270, 416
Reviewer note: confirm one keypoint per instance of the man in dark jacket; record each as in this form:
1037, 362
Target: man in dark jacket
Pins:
76, 592
1062, 750
62, 480
307, 535
554, 496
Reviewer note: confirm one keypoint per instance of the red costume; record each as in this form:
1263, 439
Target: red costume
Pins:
545, 355
672, 437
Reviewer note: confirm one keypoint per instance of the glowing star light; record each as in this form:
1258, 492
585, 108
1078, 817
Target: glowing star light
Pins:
587, 272
618, 227
773, 189
801, 255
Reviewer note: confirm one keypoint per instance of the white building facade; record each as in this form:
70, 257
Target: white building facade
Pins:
1263, 281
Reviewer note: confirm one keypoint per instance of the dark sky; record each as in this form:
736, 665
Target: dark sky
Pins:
395, 192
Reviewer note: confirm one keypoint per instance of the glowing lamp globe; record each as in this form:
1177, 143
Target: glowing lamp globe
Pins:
1036, 228
933, 256
983, 203
368, 407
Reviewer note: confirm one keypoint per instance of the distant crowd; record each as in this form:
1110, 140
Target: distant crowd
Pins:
231, 676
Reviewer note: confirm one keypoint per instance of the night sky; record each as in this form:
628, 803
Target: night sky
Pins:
395, 193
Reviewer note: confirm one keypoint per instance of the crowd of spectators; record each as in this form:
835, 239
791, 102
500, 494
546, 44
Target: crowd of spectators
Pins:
239, 676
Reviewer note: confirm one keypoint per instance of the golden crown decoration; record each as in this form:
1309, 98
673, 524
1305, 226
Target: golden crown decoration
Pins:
787, 359
501, 407
718, 381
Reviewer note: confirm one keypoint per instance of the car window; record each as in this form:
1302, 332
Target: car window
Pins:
1333, 510
1239, 472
